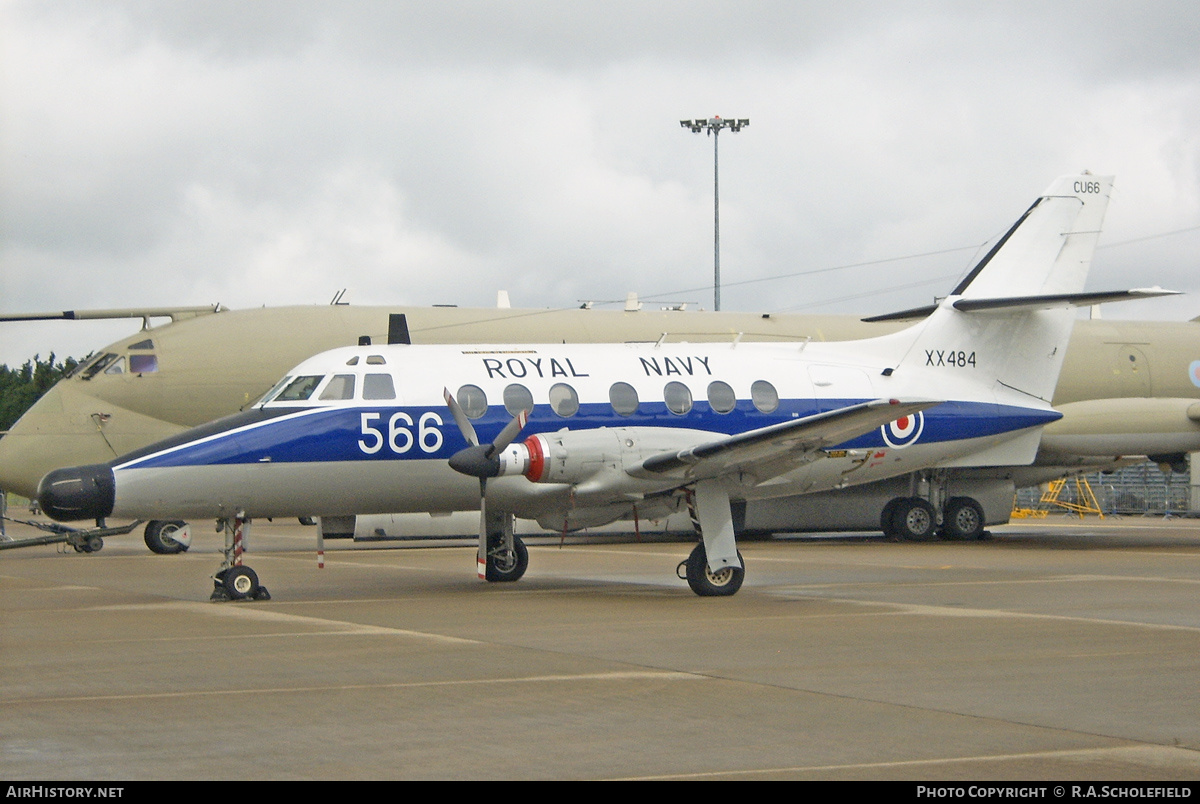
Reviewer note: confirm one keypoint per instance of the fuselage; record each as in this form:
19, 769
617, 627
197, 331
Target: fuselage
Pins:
365, 429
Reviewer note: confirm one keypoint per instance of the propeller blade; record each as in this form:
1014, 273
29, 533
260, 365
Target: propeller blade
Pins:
460, 418
510, 432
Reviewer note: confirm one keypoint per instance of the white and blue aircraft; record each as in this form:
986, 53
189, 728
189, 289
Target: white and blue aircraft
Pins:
620, 431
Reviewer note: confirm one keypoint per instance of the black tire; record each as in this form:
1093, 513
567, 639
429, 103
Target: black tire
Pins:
963, 519
914, 520
504, 566
885, 519
240, 582
158, 536
705, 583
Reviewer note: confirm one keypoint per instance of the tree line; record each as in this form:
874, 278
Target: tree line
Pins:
21, 387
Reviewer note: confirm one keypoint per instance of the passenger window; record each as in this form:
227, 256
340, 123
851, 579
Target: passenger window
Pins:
624, 398
473, 401
378, 386
117, 367
517, 398
721, 396
678, 397
376, 360
764, 396
300, 388
143, 364
341, 386
564, 400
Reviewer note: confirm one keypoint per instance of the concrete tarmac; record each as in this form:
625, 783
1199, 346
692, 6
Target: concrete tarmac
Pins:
1059, 649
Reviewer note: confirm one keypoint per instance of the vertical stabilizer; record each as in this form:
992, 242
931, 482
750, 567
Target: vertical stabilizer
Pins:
1003, 325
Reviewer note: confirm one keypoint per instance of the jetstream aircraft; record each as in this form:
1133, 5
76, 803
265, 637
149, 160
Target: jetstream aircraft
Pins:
618, 431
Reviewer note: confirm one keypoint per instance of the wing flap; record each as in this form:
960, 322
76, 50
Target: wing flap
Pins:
763, 451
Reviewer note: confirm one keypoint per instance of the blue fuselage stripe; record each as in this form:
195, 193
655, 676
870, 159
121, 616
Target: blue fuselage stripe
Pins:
318, 435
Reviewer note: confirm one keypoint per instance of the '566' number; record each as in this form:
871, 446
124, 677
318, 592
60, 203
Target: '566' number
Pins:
400, 436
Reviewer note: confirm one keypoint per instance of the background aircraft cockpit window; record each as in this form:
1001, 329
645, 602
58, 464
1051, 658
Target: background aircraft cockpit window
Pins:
376, 360
143, 364
300, 388
473, 401
624, 398
340, 386
117, 367
721, 396
764, 396
143, 345
563, 399
517, 398
378, 386
98, 365
678, 397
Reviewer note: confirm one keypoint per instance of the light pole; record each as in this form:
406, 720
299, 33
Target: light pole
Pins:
713, 126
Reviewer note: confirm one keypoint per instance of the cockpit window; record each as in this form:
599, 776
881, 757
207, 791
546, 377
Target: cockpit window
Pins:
340, 386
99, 364
352, 361
376, 360
300, 388
142, 364
378, 386
269, 395
117, 367
143, 345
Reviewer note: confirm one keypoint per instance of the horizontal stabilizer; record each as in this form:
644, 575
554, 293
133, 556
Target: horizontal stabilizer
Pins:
1043, 302
767, 444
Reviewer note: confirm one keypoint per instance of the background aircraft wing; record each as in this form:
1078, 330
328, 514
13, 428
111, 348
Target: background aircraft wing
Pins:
765, 451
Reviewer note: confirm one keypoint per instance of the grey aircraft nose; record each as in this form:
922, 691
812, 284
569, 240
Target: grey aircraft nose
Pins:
78, 492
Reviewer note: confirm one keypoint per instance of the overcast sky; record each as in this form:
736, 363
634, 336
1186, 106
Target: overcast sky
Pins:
267, 153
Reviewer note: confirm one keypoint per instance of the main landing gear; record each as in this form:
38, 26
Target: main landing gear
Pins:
235, 581
722, 576
914, 519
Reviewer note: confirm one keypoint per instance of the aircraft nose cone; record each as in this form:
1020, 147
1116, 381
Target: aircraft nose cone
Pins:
78, 492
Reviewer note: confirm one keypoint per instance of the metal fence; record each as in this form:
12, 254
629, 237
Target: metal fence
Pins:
1135, 490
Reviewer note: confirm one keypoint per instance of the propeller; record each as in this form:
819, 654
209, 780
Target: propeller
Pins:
481, 461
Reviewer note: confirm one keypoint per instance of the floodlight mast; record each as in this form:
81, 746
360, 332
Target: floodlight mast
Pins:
713, 126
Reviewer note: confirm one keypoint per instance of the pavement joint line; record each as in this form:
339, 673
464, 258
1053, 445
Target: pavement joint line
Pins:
1133, 753
621, 676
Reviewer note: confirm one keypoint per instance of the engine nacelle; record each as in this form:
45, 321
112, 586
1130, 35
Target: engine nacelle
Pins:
574, 456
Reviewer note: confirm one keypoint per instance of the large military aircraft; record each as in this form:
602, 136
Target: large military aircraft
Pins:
617, 427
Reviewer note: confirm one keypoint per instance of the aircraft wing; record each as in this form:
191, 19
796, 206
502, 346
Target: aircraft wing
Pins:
763, 451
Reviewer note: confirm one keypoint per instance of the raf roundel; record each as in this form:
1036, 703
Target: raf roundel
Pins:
904, 431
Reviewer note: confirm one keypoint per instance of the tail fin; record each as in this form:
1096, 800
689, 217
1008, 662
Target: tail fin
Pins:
1009, 320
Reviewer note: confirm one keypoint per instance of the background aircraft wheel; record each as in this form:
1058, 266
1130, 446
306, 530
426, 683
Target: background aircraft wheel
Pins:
706, 583
504, 566
963, 519
914, 519
240, 583
158, 536
885, 519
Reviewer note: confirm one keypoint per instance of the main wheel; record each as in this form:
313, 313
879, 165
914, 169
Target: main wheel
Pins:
885, 519
158, 536
707, 583
914, 519
963, 519
240, 583
505, 566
